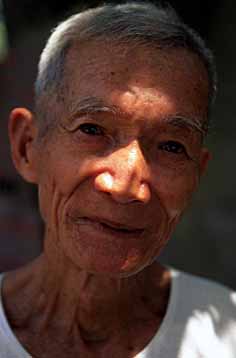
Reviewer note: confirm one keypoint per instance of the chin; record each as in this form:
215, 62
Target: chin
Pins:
107, 253
113, 266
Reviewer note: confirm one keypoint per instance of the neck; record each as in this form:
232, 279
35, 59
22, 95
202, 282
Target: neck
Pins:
71, 299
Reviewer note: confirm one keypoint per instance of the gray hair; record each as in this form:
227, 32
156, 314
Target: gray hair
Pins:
139, 22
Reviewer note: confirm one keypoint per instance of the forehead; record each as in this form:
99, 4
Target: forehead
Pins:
138, 78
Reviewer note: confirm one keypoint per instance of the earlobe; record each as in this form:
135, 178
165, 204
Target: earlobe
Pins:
22, 134
205, 157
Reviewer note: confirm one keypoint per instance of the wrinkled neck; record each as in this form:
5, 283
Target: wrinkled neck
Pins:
57, 294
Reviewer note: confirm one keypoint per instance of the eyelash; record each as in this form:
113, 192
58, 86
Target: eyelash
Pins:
88, 128
173, 147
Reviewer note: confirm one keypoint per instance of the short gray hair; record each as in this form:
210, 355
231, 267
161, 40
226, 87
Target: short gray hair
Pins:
139, 22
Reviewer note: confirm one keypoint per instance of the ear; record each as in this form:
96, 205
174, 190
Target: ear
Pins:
204, 159
22, 132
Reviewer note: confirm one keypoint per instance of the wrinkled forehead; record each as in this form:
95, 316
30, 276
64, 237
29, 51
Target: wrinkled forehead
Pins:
131, 73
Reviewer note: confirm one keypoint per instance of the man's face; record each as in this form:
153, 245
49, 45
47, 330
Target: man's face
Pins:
121, 165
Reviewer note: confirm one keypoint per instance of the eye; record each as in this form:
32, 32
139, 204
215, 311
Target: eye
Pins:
172, 147
91, 129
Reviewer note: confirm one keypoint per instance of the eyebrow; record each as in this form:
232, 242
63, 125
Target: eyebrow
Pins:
183, 122
93, 105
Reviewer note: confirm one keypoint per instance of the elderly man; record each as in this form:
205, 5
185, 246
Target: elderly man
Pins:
115, 147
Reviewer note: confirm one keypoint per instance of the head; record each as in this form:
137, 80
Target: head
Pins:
116, 142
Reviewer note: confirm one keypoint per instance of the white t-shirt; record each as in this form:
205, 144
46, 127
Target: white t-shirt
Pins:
200, 322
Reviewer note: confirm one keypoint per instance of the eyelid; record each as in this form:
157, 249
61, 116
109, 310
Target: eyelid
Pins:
172, 141
101, 129
185, 150
73, 124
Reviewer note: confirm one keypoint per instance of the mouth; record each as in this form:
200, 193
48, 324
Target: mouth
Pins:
111, 226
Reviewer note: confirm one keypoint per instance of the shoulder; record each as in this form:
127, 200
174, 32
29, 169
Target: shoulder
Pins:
206, 311
204, 293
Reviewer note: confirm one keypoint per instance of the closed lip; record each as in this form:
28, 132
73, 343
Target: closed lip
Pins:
113, 225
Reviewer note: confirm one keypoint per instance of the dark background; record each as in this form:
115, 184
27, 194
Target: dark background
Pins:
205, 241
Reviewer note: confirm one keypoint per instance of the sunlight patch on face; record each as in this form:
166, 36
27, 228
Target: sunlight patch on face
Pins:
131, 261
104, 180
139, 101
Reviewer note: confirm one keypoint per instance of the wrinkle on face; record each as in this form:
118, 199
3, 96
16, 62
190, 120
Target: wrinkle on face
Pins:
140, 102
145, 63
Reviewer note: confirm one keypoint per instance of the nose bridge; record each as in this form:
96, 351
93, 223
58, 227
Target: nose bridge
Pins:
131, 162
125, 175
130, 178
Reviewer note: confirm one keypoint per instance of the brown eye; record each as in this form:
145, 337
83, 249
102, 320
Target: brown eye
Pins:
172, 147
91, 129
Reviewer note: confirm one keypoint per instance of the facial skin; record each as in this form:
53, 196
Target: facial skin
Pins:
121, 165
114, 175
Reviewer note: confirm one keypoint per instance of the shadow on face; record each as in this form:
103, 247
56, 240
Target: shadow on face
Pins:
125, 158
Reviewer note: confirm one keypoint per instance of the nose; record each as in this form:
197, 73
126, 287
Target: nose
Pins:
126, 175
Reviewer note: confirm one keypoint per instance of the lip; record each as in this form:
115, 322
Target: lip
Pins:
111, 226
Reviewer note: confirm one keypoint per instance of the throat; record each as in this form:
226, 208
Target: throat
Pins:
99, 321
89, 316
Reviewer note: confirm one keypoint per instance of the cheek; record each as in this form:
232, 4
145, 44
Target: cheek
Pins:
54, 188
175, 190
45, 197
